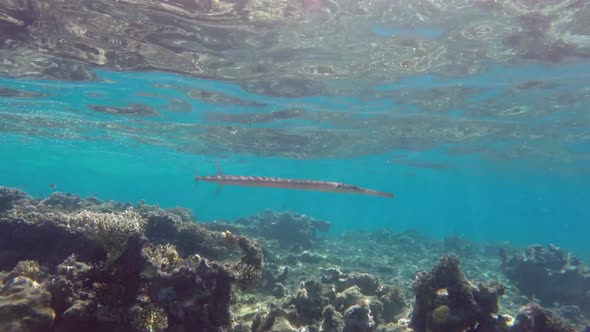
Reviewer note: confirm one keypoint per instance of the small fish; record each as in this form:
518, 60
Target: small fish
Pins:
268, 182
53, 186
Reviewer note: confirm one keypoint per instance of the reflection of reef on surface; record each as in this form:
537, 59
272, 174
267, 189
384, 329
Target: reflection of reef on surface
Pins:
73, 264
266, 42
131, 110
518, 125
255, 118
330, 135
282, 49
5, 92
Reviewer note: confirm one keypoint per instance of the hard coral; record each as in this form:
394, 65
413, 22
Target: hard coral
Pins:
25, 305
188, 237
111, 229
441, 315
27, 268
287, 228
363, 306
447, 301
550, 274
163, 257
535, 318
249, 270
149, 318
141, 267
9, 196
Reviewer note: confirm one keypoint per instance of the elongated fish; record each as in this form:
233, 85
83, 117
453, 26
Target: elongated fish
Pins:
268, 182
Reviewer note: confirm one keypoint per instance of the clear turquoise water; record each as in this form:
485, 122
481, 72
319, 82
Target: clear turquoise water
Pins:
481, 200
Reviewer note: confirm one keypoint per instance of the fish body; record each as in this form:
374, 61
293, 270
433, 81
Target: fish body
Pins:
284, 183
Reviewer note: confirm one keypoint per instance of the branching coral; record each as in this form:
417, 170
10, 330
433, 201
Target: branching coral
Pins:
27, 268
149, 318
111, 229
249, 270
166, 255
247, 275
161, 257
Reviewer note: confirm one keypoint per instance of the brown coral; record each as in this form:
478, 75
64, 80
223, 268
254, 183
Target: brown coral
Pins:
25, 305
163, 257
26, 268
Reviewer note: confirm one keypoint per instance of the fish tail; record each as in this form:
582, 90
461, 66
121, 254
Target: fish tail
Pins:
196, 172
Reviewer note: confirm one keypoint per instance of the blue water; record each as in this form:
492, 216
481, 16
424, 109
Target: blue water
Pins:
478, 199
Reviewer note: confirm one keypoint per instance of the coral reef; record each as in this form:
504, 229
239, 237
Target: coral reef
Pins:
339, 303
25, 305
289, 229
447, 301
550, 274
74, 264
85, 265
535, 318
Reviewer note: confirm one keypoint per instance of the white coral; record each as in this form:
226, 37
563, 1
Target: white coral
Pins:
111, 229
126, 222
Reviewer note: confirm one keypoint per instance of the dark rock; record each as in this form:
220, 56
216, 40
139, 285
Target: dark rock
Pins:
292, 260
551, 275
9, 196
25, 305
279, 291
119, 279
535, 318
46, 242
310, 300
390, 328
393, 302
366, 282
289, 229
333, 320
358, 318
447, 301
308, 257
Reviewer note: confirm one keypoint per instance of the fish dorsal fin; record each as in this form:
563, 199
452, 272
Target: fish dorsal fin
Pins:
219, 170
218, 190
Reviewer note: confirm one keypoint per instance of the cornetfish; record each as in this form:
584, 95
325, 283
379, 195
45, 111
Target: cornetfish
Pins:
269, 182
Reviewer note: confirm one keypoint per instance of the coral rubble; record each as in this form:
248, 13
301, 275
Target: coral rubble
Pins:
338, 302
